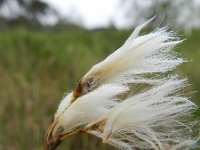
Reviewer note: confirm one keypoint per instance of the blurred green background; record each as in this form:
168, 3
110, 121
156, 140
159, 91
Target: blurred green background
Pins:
39, 64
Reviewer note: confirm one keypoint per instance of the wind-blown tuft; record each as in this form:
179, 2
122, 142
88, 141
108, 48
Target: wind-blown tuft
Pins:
139, 55
151, 120
130, 100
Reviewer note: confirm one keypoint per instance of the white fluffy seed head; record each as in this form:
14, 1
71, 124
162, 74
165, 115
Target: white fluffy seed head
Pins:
152, 117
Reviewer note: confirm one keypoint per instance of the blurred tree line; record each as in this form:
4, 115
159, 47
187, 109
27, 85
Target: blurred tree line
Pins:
177, 13
32, 7
23, 12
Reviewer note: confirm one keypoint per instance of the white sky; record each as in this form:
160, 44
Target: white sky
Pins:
101, 13
93, 13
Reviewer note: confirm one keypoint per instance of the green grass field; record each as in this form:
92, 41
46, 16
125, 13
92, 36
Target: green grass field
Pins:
38, 67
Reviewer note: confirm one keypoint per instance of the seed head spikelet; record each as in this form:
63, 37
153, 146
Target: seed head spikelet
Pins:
132, 99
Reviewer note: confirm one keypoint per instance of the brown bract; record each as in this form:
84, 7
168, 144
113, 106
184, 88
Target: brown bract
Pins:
51, 143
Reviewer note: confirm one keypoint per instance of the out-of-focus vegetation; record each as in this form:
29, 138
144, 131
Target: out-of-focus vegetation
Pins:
176, 13
13, 11
38, 67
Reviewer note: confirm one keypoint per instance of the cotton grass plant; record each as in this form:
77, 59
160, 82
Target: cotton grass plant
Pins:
128, 101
